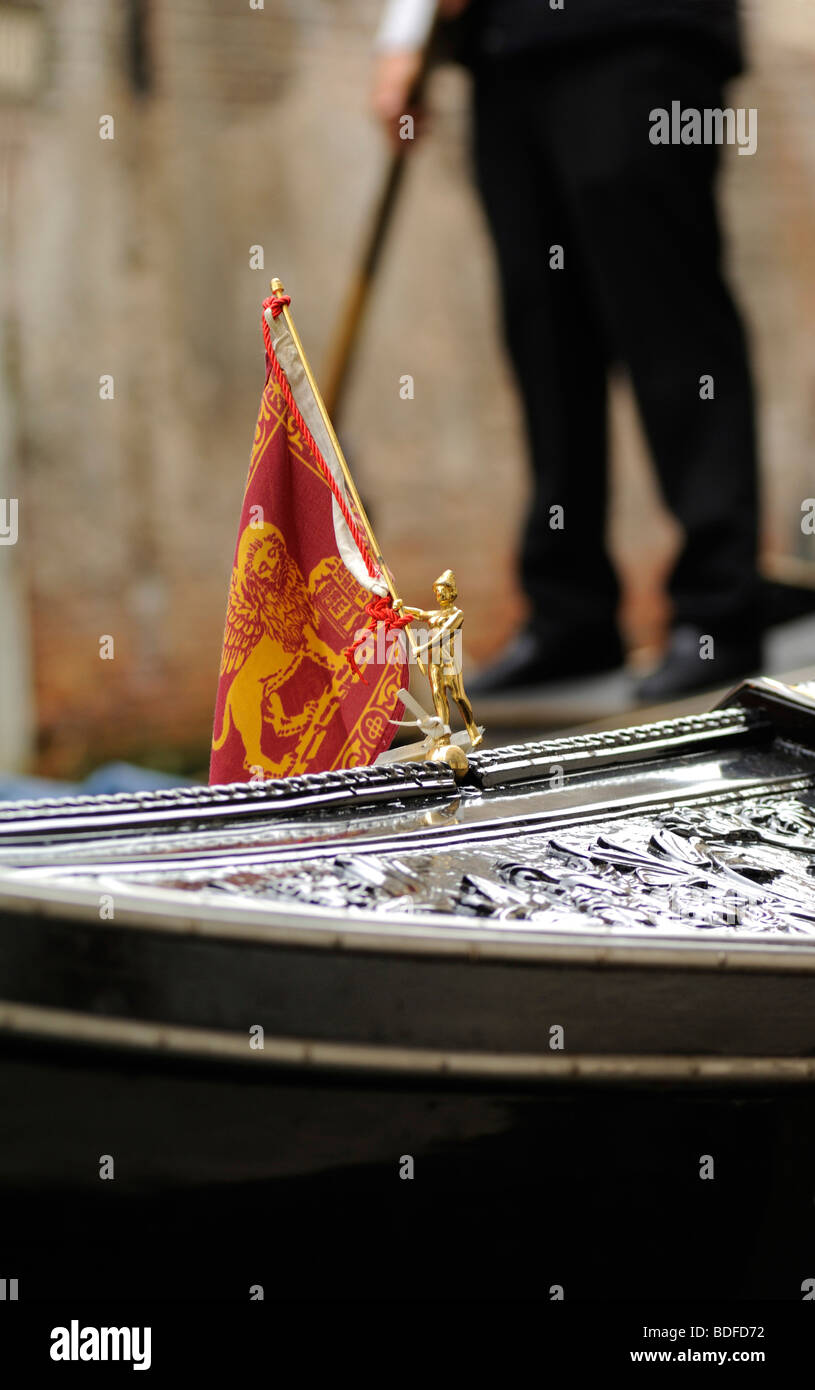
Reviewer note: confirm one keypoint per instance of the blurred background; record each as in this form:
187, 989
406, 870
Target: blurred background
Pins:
243, 148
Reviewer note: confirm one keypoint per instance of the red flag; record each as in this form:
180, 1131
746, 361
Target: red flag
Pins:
303, 585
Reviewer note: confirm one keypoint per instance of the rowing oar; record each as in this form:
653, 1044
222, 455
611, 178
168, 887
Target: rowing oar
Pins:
347, 334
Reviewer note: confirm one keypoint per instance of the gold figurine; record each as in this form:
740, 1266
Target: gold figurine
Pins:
442, 666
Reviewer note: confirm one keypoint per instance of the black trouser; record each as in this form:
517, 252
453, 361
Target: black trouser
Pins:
564, 158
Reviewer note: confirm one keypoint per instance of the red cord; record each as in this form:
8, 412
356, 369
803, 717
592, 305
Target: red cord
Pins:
379, 610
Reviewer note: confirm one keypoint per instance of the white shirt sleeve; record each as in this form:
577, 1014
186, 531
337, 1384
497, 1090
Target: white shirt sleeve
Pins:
405, 24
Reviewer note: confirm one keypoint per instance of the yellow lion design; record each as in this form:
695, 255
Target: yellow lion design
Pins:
270, 629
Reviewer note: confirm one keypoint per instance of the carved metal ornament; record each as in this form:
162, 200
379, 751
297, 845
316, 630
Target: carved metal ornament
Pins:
746, 868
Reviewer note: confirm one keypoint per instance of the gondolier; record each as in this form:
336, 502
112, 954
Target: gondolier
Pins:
608, 248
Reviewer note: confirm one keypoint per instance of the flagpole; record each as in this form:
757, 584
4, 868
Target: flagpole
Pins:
278, 290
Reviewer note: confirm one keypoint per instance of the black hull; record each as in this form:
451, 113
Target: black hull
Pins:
224, 1181
476, 1007
553, 993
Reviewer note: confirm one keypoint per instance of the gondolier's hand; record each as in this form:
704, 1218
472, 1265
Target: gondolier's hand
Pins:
395, 75
396, 71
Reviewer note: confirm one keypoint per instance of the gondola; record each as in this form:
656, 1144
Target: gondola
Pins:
269, 1003
634, 906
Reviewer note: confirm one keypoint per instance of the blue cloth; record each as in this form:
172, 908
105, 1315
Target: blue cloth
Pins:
103, 781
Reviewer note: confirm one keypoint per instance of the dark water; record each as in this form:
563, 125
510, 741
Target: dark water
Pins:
598, 1192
